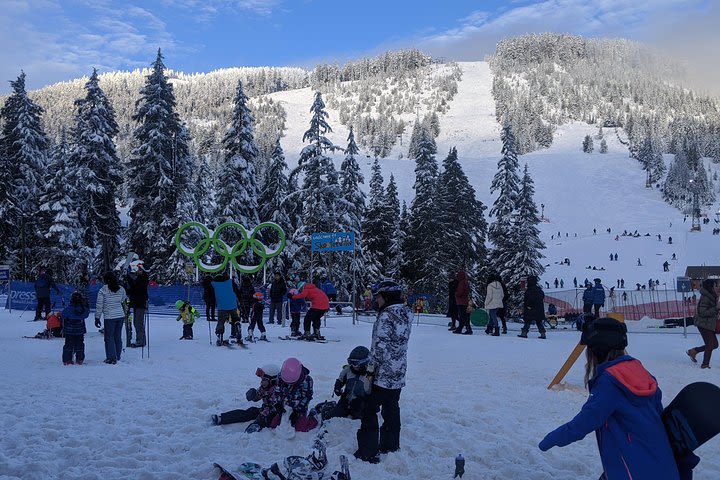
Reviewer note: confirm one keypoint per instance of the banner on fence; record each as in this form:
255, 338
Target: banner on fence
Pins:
4, 273
333, 242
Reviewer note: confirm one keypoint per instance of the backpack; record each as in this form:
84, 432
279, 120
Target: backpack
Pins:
552, 309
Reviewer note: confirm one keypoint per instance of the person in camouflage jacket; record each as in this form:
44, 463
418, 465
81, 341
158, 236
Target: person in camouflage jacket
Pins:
388, 358
297, 396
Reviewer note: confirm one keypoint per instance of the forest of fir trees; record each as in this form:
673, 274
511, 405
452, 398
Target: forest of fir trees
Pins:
63, 207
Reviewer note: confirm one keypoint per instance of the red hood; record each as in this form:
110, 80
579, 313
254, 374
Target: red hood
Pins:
633, 376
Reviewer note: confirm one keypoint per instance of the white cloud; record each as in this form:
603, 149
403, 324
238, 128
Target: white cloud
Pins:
206, 9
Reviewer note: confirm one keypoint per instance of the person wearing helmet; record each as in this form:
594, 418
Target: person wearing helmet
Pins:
257, 316
533, 307
74, 316
624, 409
136, 286
353, 387
265, 416
388, 358
296, 307
295, 390
188, 315
319, 305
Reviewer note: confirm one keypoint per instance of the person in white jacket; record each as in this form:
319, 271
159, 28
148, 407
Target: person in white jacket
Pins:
493, 302
110, 306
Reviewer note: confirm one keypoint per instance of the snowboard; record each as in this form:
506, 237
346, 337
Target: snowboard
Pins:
287, 337
248, 470
692, 418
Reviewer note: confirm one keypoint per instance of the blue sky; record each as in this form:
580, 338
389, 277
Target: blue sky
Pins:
55, 40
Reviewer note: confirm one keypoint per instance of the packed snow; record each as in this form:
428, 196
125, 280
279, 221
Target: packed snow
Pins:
484, 397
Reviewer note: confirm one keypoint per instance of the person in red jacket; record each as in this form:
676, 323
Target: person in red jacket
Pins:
319, 305
462, 300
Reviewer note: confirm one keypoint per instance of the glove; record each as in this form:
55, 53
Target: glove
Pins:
251, 394
545, 444
97, 323
338, 388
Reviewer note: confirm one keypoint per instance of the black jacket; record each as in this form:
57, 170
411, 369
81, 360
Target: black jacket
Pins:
278, 290
533, 302
137, 289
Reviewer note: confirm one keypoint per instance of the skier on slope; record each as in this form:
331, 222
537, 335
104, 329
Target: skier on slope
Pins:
623, 409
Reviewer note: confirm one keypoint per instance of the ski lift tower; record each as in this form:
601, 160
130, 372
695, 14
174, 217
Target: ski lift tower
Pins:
695, 207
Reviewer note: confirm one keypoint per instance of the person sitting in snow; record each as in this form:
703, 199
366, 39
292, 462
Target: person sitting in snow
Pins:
188, 315
353, 387
265, 416
624, 409
295, 391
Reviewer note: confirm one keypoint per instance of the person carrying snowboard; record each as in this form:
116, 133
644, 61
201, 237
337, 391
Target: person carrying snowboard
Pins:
319, 305
188, 315
265, 416
74, 316
295, 391
624, 409
256, 317
353, 387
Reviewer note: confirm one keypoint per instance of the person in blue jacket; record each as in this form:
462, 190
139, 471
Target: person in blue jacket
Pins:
226, 295
623, 409
587, 298
73, 317
598, 296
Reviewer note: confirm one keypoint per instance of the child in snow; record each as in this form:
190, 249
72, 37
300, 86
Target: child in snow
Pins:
295, 390
188, 315
353, 387
74, 316
267, 414
623, 409
256, 317
297, 306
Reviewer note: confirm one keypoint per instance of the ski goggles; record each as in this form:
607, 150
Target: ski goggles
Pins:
357, 363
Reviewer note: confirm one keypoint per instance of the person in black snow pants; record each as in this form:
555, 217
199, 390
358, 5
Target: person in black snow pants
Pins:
278, 290
388, 358
533, 307
43, 285
209, 298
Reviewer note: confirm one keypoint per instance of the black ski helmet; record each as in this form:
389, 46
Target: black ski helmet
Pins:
386, 286
603, 335
76, 298
359, 356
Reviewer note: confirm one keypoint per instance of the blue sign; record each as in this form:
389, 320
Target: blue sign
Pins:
4, 273
684, 284
333, 242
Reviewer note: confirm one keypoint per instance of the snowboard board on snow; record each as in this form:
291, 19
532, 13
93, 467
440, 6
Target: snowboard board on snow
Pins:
692, 418
287, 337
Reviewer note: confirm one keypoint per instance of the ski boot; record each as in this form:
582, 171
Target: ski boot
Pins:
317, 336
250, 337
263, 337
296, 333
542, 336
522, 334
308, 336
219, 341
215, 419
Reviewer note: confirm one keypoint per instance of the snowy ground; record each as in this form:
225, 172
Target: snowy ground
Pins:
150, 418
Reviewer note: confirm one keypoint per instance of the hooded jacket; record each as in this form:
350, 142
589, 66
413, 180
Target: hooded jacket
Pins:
462, 291
296, 395
317, 298
388, 351
598, 294
707, 313
494, 296
73, 317
533, 301
624, 410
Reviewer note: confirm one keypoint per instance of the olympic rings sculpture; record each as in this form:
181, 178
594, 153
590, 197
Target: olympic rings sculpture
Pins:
229, 254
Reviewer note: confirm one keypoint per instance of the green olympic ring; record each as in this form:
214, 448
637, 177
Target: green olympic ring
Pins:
212, 239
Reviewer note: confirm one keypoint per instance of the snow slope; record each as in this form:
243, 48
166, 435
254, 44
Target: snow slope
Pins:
150, 418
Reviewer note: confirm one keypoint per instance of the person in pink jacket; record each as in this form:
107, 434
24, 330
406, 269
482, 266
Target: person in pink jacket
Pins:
319, 305
462, 300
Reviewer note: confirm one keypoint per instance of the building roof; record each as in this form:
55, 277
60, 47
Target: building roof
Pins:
702, 272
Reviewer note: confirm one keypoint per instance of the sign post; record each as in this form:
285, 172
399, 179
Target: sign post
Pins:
684, 284
5, 277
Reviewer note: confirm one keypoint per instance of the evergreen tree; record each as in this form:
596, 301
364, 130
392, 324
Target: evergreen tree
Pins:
603, 146
587, 144
203, 193
414, 138
237, 199
155, 168
462, 225
392, 213
62, 230
352, 205
320, 188
650, 157
23, 146
95, 175
421, 243
524, 259
506, 183
274, 205
375, 232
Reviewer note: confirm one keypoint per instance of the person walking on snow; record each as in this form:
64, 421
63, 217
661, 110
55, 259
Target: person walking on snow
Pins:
137, 281
533, 307
587, 298
598, 296
109, 306
319, 305
278, 290
43, 285
494, 302
73, 317
462, 300
226, 293
624, 409
388, 359
706, 321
